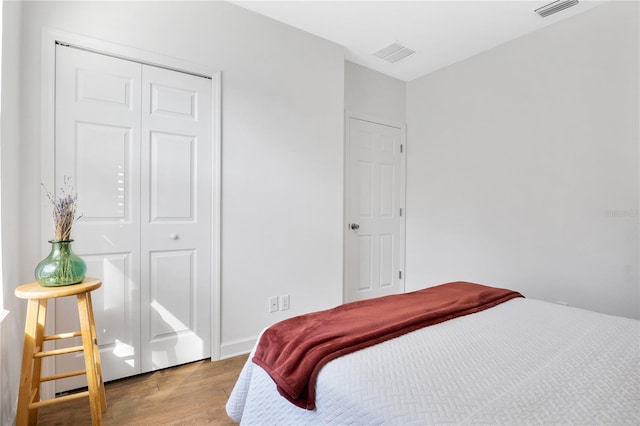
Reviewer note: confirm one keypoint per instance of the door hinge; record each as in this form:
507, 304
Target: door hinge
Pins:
400, 211
400, 274
401, 148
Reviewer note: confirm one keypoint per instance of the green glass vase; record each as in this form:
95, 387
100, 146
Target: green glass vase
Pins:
61, 267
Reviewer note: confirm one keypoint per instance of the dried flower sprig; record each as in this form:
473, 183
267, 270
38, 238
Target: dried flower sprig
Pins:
64, 210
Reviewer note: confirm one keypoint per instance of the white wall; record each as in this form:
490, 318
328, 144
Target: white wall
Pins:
13, 230
523, 165
375, 94
282, 145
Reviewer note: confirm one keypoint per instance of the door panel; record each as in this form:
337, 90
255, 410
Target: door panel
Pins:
97, 129
374, 254
96, 85
172, 290
110, 145
172, 177
173, 102
364, 256
176, 226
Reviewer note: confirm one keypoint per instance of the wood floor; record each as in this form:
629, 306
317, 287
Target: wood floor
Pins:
190, 394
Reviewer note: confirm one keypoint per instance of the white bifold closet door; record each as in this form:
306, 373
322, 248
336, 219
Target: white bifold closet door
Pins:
136, 141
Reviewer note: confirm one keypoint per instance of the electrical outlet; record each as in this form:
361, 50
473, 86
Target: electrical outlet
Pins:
273, 303
284, 302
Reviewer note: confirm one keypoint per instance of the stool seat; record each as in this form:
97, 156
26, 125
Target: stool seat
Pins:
36, 291
30, 377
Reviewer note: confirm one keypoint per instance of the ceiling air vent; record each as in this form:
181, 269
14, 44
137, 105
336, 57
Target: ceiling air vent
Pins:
394, 52
554, 7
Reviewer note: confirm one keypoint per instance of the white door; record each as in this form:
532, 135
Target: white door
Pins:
176, 218
136, 141
374, 242
97, 133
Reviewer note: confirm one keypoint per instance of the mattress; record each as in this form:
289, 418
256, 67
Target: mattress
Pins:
522, 362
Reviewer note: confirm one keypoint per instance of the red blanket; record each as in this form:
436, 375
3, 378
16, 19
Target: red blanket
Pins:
293, 351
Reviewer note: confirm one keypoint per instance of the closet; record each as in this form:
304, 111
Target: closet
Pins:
136, 141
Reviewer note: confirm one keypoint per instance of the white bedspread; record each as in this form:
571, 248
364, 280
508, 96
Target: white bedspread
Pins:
521, 362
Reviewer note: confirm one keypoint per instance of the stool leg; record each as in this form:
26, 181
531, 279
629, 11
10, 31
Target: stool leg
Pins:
96, 352
90, 360
30, 384
37, 362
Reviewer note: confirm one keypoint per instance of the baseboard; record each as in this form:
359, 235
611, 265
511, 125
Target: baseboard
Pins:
237, 347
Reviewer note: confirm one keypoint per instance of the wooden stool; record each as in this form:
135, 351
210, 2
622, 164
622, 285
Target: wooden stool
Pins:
29, 393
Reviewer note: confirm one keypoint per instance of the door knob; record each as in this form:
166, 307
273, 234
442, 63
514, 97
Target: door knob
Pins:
173, 236
354, 226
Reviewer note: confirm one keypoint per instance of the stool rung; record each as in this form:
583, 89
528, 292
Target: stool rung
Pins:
59, 399
63, 335
58, 351
63, 375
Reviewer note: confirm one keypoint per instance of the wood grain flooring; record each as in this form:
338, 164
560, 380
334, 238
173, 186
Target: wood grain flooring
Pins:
190, 394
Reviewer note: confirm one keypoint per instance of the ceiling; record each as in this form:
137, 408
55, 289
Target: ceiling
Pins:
440, 32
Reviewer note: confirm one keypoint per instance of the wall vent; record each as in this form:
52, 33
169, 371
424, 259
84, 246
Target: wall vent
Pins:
555, 7
394, 52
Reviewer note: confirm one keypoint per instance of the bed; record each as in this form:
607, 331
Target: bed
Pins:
520, 361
